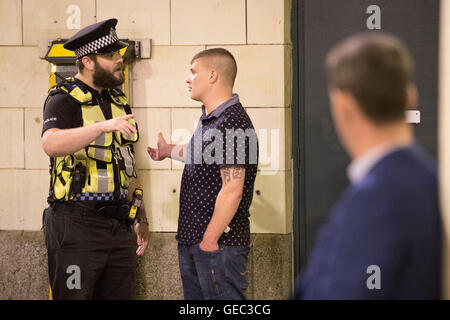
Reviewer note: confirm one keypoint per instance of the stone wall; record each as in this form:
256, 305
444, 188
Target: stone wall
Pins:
255, 31
23, 267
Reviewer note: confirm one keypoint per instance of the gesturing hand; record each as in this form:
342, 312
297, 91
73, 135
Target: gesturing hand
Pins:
162, 151
142, 233
120, 124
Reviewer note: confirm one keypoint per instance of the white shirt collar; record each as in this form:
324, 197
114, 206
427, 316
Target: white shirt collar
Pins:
361, 166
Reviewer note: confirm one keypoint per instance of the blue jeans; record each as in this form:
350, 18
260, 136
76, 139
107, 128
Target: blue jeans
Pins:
215, 275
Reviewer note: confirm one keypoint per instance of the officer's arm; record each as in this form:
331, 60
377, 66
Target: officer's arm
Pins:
227, 203
61, 142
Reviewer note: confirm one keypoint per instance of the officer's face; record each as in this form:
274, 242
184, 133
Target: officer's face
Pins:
108, 72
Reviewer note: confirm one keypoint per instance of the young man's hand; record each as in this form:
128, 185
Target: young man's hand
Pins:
208, 246
162, 150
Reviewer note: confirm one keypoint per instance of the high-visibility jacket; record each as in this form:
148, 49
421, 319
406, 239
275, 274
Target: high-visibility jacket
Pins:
107, 163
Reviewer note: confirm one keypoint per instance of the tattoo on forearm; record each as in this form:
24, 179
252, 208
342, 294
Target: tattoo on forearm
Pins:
237, 173
232, 173
226, 175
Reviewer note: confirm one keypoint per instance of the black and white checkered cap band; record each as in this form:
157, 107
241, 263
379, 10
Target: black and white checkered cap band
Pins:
95, 45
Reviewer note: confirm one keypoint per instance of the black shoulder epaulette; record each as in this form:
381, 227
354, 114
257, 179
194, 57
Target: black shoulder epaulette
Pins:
118, 96
82, 96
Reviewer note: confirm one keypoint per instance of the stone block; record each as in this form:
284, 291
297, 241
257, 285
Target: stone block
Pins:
24, 77
23, 266
268, 21
161, 80
24, 275
35, 157
161, 198
263, 77
208, 22
150, 123
138, 19
272, 267
23, 197
11, 20
271, 205
11, 128
158, 273
272, 126
47, 19
184, 122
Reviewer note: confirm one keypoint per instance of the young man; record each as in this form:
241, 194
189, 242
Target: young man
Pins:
217, 184
89, 133
383, 239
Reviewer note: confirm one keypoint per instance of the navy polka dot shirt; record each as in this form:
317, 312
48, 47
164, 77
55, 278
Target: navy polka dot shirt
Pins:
225, 137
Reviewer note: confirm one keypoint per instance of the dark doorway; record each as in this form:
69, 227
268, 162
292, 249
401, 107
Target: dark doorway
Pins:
319, 161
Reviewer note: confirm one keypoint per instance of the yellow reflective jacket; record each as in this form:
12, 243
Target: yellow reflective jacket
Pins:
107, 163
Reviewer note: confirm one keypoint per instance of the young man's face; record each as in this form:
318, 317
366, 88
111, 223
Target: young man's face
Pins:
108, 71
198, 82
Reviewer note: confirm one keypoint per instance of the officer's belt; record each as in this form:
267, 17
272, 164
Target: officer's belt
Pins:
88, 196
112, 209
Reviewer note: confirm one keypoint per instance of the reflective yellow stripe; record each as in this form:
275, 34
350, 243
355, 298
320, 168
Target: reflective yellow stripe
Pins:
61, 177
100, 180
128, 160
52, 80
98, 156
101, 154
119, 112
81, 96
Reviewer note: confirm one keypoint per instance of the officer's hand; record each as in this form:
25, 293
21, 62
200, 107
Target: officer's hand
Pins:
162, 151
142, 233
120, 124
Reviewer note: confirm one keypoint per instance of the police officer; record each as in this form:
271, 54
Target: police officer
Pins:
89, 135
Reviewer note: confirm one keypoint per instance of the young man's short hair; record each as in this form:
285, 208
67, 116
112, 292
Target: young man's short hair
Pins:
228, 68
376, 69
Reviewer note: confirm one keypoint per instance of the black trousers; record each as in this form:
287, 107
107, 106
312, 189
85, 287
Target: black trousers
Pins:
90, 256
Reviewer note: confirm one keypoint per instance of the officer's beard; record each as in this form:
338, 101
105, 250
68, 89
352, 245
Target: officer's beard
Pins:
105, 79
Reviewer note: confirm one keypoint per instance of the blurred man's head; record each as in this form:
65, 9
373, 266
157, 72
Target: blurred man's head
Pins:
212, 68
371, 84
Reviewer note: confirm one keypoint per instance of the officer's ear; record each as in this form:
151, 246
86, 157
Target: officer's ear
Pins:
88, 62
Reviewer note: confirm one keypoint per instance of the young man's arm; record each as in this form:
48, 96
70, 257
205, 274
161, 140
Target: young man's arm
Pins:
227, 203
60, 142
165, 150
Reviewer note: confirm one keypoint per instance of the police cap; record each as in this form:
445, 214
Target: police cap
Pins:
97, 38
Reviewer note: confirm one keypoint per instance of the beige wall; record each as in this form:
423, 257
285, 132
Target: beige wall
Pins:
255, 31
444, 137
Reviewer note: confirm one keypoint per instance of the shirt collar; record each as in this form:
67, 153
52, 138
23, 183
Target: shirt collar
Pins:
221, 108
105, 91
361, 166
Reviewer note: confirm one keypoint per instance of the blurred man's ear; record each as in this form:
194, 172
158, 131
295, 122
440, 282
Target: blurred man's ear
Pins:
334, 95
343, 104
412, 97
